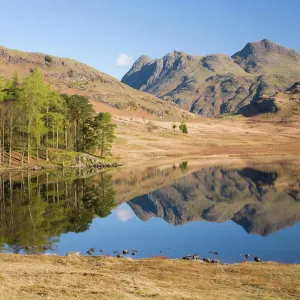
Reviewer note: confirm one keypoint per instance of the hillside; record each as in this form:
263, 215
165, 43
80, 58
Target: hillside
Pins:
217, 84
105, 92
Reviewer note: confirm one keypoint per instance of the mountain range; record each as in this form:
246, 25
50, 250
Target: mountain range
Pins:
216, 84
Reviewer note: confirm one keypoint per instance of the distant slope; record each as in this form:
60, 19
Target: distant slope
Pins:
217, 84
70, 76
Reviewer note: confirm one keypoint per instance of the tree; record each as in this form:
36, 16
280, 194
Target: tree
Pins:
11, 116
104, 133
3, 95
174, 126
79, 111
32, 99
183, 127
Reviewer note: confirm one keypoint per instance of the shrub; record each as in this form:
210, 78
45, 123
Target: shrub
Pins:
48, 58
183, 127
151, 126
132, 104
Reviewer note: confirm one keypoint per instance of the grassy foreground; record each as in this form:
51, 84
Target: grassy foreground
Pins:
54, 277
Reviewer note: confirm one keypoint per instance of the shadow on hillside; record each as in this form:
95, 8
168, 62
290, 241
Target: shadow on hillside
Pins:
262, 106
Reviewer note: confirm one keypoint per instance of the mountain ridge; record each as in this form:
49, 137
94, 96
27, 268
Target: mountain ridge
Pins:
217, 83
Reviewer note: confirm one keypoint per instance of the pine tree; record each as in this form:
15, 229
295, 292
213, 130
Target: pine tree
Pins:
105, 136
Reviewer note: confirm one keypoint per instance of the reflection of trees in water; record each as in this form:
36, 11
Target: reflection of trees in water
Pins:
33, 210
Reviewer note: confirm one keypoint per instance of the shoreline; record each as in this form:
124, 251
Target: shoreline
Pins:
58, 167
128, 257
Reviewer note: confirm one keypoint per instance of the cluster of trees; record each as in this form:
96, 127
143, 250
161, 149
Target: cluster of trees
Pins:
34, 118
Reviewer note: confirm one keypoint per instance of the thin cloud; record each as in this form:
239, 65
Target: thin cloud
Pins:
124, 215
124, 60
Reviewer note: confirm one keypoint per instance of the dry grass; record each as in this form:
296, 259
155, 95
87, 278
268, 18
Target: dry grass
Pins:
50, 277
236, 137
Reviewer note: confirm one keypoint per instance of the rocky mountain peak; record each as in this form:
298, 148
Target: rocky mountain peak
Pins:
264, 47
141, 61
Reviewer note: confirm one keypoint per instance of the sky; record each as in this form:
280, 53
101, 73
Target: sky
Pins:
110, 35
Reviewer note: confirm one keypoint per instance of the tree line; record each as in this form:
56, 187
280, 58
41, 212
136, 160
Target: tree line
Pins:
35, 118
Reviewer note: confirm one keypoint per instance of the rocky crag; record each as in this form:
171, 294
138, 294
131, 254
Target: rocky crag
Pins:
218, 84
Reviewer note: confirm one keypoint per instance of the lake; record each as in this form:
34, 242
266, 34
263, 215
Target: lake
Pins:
171, 210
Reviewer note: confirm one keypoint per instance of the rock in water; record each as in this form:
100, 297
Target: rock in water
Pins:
247, 255
125, 251
257, 259
120, 255
215, 261
207, 260
73, 254
196, 256
187, 257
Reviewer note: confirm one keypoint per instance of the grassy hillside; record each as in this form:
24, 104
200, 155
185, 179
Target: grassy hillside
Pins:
72, 77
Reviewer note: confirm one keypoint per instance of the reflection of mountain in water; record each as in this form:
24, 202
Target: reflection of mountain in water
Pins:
248, 196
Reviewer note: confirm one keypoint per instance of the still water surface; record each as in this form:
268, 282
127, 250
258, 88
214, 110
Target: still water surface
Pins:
170, 211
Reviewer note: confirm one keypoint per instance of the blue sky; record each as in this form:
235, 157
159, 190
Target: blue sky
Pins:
96, 32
